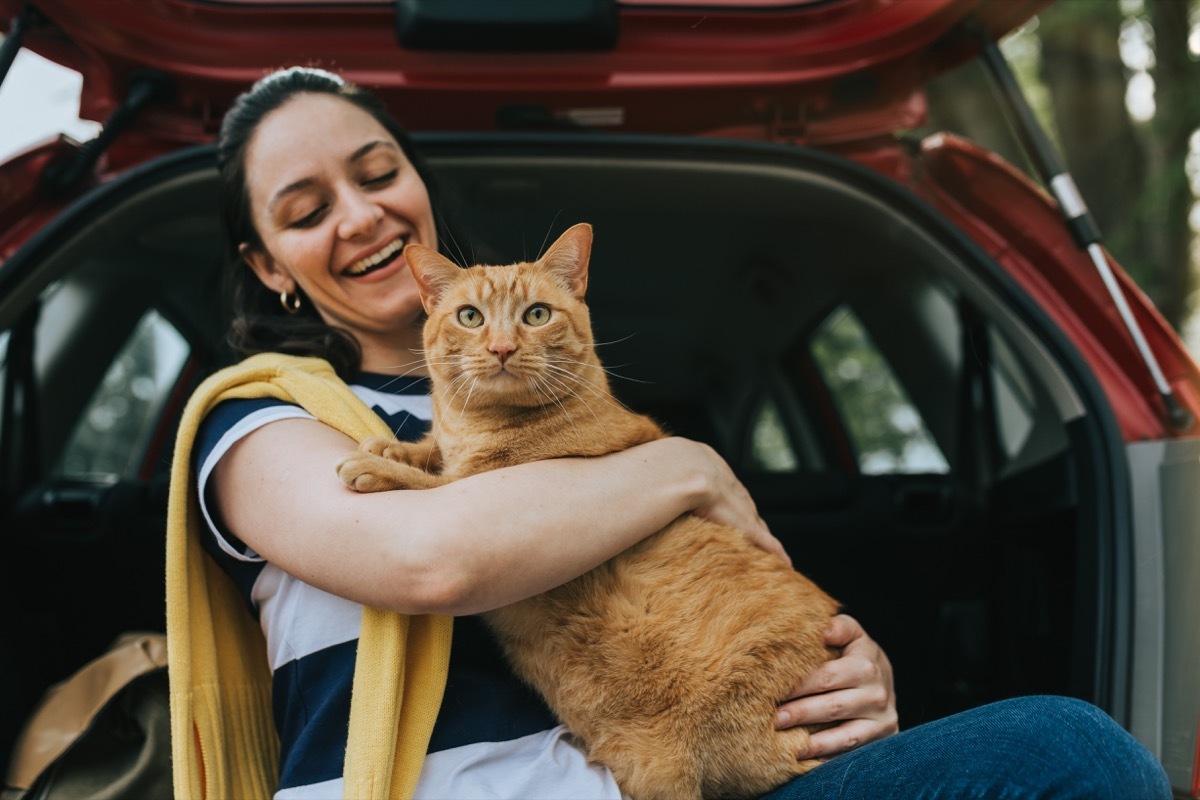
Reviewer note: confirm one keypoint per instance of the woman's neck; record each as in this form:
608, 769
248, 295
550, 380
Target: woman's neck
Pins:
402, 354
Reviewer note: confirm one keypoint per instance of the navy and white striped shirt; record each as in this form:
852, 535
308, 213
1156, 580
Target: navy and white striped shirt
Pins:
494, 736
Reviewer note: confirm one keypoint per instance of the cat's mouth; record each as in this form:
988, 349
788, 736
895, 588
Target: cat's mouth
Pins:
377, 260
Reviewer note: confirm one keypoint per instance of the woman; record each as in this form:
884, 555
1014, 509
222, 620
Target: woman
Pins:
321, 192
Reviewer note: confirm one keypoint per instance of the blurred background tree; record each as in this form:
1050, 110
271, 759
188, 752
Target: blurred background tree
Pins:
1116, 83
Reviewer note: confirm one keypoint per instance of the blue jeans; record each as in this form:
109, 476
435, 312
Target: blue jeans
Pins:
1028, 747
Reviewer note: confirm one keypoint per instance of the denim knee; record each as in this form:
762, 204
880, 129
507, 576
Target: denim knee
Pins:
1027, 748
1082, 750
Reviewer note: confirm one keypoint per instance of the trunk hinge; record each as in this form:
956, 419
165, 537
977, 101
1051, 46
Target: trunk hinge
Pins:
144, 88
1058, 181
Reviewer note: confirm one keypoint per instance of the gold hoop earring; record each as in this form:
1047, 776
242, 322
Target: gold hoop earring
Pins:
290, 302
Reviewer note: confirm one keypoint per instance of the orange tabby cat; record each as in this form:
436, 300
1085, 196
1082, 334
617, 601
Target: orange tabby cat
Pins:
667, 661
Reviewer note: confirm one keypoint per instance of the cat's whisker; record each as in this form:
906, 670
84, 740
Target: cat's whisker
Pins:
615, 341
468, 400
606, 370
600, 390
408, 367
571, 391
445, 228
596, 389
563, 385
458, 384
546, 238
535, 382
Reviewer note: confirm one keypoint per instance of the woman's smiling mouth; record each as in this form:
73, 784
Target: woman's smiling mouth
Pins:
376, 260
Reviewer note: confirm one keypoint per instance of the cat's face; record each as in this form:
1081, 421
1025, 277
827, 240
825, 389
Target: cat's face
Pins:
513, 335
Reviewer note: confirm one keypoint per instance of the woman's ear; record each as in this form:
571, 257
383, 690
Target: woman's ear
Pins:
268, 272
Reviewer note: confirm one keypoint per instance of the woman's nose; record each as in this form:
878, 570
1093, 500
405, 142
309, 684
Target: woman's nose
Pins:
360, 214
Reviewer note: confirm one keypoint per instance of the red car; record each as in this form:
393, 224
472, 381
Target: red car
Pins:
958, 414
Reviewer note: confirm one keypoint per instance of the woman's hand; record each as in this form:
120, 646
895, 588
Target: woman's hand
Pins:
727, 501
854, 691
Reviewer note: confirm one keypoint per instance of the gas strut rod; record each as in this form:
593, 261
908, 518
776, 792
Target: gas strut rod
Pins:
1084, 230
145, 87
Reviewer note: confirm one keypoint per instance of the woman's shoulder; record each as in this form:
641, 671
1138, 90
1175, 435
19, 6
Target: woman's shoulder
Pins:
231, 420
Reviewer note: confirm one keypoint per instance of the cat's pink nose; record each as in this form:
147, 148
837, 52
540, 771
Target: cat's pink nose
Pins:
502, 350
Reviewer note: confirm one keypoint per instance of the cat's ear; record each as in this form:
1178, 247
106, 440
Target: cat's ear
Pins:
567, 259
432, 271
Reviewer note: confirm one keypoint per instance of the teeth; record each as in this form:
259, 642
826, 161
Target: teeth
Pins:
359, 267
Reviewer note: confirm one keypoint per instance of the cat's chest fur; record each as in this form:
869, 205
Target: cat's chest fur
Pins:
484, 439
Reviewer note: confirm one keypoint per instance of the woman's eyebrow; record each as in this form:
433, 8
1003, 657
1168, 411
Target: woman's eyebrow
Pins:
368, 147
291, 188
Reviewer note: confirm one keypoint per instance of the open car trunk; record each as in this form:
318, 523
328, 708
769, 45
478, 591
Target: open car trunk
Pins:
955, 487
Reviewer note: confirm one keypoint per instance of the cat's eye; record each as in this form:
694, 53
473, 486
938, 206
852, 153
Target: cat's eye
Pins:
537, 315
470, 317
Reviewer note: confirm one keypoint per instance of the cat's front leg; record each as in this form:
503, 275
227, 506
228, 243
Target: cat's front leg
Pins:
368, 472
423, 453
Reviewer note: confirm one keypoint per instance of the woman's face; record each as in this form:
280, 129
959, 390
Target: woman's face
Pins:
335, 201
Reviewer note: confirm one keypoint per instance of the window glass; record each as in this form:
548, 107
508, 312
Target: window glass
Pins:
113, 431
4, 336
770, 446
1015, 399
885, 428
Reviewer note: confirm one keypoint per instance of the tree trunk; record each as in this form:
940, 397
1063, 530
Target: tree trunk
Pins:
1132, 177
1168, 195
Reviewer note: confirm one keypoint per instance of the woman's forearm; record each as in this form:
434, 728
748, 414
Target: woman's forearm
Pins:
474, 544
516, 532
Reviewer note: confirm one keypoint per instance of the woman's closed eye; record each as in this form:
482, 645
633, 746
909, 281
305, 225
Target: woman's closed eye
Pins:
310, 219
382, 180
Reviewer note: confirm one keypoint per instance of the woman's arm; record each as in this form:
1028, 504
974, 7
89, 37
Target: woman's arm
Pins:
854, 691
472, 545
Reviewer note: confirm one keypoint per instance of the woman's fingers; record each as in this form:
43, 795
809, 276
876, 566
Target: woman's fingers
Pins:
730, 503
842, 739
853, 691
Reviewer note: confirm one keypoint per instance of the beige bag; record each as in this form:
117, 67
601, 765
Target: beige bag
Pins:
102, 734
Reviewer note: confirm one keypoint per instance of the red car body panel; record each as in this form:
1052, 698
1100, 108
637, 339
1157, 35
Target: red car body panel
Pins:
674, 70
841, 75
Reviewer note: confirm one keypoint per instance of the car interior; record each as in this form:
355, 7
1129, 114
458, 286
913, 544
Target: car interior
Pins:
912, 430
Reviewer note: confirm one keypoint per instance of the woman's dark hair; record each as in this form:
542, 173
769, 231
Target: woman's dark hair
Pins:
258, 321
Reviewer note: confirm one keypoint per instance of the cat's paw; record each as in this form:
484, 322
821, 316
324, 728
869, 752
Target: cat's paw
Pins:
417, 454
378, 446
366, 472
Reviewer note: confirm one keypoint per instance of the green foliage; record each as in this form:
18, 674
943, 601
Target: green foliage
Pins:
886, 429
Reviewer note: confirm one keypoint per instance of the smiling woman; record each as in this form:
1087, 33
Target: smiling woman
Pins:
307, 222
333, 223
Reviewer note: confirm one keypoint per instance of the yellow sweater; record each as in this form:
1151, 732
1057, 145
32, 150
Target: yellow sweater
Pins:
223, 740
